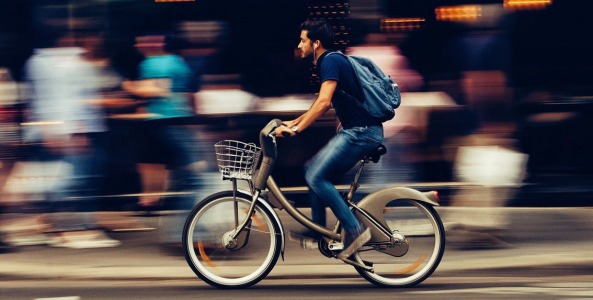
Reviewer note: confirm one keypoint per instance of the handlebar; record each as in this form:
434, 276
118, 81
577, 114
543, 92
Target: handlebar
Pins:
267, 141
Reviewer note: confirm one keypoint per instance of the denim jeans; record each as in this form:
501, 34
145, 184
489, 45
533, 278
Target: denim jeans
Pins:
337, 157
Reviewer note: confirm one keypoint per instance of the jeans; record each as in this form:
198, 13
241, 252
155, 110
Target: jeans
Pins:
337, 157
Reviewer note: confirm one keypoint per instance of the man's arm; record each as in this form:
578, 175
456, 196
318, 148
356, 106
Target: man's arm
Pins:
319, 107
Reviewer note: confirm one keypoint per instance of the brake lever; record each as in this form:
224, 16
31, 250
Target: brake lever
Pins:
272, 135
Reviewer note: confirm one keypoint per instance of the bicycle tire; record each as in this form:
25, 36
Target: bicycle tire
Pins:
218, 265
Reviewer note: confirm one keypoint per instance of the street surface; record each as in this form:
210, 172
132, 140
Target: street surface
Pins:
485, 286
541, 253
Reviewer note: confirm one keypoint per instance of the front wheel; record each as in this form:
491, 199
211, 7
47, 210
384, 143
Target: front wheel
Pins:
241, 263
417, 257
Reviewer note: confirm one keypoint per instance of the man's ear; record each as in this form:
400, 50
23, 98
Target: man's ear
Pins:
316, 44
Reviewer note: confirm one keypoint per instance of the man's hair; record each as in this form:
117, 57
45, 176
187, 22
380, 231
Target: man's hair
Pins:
319, 30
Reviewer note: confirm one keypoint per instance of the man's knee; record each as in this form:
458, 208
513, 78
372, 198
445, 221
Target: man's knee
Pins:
311, 175
317, 181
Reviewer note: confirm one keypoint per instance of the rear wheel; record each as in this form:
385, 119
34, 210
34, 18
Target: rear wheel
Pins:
233, 264
415, 259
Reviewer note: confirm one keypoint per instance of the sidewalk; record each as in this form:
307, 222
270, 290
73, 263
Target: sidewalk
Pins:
535, 239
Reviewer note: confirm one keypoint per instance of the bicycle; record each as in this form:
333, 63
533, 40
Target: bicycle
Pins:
232, 239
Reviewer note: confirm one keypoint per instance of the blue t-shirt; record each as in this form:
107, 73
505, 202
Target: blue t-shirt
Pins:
174, 68
337, 67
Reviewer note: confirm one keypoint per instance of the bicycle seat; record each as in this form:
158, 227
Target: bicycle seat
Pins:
374, 157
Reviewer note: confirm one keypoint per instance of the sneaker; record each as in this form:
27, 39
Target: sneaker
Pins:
353, 242
308, 240
83, 240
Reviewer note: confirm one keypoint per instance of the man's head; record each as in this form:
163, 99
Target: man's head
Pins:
315, 35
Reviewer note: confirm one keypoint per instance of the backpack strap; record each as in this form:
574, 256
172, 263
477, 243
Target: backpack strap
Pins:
343, 93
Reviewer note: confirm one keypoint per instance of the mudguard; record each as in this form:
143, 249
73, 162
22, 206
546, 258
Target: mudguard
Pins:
380, 198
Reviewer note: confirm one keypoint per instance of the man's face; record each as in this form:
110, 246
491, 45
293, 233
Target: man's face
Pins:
306, 45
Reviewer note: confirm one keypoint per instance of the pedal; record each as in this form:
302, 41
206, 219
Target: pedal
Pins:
335, 246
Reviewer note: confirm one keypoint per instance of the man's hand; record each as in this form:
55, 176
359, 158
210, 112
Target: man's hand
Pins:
285, 130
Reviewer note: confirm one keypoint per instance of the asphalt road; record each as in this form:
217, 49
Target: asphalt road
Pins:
485, 286
546, 256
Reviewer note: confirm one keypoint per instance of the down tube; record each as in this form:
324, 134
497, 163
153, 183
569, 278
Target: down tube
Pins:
296, 214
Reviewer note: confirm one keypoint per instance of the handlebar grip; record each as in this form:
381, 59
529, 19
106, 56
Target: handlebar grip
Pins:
278, 122
269, 151
269, 128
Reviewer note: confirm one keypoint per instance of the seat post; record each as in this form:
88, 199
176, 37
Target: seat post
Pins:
355, 185
374, 157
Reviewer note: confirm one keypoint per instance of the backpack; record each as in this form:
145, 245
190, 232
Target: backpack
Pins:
380, 92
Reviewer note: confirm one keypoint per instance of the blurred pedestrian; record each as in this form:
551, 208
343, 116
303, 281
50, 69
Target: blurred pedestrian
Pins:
115, 102
9, 136
67, 125
166, 85
491, 170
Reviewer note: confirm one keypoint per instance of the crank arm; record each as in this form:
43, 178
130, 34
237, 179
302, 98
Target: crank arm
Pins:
366, 267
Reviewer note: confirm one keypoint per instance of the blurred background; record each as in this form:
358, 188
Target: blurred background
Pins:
496, 93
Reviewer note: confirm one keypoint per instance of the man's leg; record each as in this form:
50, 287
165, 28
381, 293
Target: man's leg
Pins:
335, 159
331, 162
317, 209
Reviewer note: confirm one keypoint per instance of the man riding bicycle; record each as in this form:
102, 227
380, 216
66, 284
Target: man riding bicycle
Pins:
358, 134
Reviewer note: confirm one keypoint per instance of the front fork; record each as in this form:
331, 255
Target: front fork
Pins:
237, 237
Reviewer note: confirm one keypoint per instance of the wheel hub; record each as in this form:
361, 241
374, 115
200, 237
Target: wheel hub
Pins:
228, 241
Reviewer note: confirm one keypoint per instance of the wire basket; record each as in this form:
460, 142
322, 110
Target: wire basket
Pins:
236, 159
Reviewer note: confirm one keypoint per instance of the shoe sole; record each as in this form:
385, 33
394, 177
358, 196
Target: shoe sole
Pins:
362, 239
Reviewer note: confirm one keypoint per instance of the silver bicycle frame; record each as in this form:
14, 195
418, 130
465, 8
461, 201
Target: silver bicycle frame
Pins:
283, 203
370, 206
